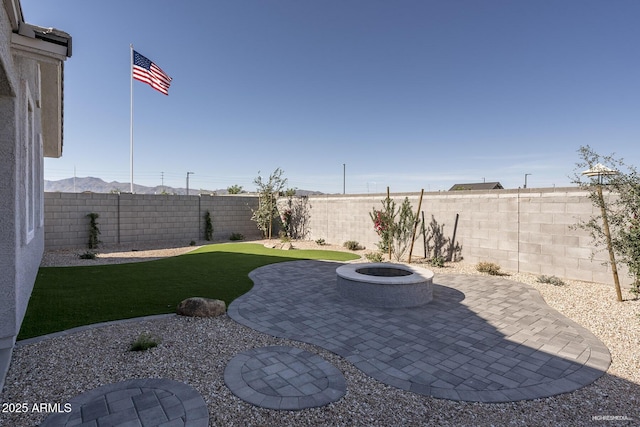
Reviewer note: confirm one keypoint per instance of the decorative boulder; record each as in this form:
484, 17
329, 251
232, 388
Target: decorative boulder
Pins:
201, 307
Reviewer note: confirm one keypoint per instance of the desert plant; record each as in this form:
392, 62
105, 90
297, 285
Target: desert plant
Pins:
352, 245
294, 215
402, 231
283, 237
437, 246
437, 261
267, 194
236, 236
489, 268
94, 231
552, 280
320, 242
383, 223
374, 256
144, 342
208, 226
87, 255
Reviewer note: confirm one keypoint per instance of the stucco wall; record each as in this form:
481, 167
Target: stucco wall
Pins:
21, 226
131, 218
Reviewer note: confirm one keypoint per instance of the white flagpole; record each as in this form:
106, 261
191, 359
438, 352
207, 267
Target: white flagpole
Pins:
131, 123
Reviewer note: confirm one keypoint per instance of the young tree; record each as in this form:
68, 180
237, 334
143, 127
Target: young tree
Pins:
235, 189
267, 195
614, 188
383, 222
403, 229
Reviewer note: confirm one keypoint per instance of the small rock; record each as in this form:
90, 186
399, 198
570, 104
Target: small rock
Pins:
286, 246
201, 307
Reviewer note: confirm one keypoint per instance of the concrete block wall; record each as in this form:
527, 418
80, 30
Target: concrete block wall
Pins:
525, 230
131, 218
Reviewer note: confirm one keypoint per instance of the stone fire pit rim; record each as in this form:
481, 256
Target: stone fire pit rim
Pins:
418, 274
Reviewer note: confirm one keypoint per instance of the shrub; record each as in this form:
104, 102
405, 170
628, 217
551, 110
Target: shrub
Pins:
352, 245
552, 280
94, 231
284, 238
236, 236
87, 255
144, 342
488, 267
192, 243
438, 261
320, 242
208, 226
374, 256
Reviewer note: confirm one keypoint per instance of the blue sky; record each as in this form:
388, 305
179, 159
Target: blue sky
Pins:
407, 94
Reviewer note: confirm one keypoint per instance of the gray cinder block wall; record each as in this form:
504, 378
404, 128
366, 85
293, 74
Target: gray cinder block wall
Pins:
134, 218
526, 230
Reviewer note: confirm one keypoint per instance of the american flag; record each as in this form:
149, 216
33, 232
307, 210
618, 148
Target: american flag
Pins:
147, 72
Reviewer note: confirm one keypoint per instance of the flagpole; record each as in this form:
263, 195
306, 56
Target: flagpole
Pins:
131, 121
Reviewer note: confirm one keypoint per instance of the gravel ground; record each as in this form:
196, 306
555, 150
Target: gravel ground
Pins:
195, 351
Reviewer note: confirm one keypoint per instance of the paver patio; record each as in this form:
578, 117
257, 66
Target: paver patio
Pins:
482, 338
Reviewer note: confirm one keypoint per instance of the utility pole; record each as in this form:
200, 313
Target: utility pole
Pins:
525, 179
344, 178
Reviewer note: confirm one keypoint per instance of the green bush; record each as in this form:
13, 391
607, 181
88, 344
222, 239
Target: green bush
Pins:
87, 255
552, 280
320, 242
374, 256
208, 226
352, 245
144, 342
488, 267
236, 236
438, 261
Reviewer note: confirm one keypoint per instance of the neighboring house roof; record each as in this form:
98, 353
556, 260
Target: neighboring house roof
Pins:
478, 186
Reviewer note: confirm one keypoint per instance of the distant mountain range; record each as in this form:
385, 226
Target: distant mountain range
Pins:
97, 185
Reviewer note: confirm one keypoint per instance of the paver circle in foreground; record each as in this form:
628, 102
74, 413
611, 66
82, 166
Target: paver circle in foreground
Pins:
281, 377
147, 402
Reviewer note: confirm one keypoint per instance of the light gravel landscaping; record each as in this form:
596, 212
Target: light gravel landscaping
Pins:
196, 351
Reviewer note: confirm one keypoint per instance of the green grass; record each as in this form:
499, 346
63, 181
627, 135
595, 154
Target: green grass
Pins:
66, 297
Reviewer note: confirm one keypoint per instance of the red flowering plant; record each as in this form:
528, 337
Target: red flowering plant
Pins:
383, 222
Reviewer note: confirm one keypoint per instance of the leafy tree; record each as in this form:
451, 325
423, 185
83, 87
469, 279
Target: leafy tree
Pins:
614, 187
235, 189
267, 195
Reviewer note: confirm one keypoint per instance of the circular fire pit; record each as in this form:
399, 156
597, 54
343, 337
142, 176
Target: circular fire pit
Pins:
385, 284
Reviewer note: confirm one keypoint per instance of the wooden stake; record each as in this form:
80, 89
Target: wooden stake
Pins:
453, 239
607, 233
424, 236
415, 226
390, 242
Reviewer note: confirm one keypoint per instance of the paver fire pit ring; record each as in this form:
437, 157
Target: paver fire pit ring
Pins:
385, 284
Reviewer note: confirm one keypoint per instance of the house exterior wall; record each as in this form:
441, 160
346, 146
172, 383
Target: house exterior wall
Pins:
21, 226
139, 218
24, 62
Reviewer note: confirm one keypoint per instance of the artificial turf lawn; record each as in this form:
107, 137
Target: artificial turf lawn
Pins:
66, 297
